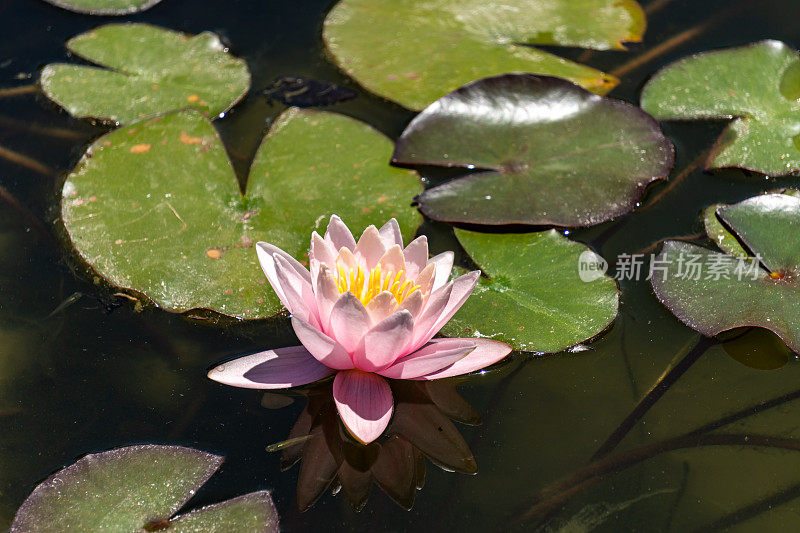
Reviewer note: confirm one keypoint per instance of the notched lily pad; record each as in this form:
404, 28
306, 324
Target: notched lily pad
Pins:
713, 292
549, 152
139, 488
144, 70
757, 85
155, 206
415, 51
104, 7
533, 297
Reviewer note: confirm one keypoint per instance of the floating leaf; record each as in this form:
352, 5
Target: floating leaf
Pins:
155, 207
718, 233
105, 7
550, 153
758, 85
131, 488
533, 296
713, 292
148, 70
415, 51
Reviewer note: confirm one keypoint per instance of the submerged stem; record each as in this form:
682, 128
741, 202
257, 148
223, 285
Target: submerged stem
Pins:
661, 386
555, 495
25, 161
16, 91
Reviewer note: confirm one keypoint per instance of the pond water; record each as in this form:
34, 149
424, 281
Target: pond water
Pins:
97, 374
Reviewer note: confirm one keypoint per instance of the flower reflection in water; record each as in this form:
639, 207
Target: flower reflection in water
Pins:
421, 427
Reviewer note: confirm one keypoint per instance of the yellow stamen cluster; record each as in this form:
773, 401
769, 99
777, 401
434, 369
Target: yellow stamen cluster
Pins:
367, 286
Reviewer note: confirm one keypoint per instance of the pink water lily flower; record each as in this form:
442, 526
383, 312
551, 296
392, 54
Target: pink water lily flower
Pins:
366, 311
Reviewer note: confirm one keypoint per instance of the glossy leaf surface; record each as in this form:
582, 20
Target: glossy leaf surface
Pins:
714, 292
547, 151
758, 85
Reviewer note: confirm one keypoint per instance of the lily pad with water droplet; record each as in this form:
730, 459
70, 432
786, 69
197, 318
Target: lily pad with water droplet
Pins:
757, 85
145, 70
548, 151
156, 208
533, 296
713, 292
139, 488
105, 7
415, 51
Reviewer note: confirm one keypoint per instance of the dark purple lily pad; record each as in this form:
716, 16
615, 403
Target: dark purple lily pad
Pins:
128, 489
549, 152
713, 292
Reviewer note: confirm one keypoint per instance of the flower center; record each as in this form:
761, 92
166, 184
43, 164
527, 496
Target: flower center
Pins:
366, 286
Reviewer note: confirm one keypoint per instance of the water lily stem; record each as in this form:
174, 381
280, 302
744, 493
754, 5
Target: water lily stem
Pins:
17, 91
25, 161
678, 40
61, 133
558, 493
661, 386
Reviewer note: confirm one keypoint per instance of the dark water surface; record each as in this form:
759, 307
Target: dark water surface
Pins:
99, 375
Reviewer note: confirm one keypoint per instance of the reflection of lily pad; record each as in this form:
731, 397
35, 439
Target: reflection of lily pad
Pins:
551, 153
415, 51
713, 292
148, 70
128, 489
155, 207
758, 84
533, 298
105, 7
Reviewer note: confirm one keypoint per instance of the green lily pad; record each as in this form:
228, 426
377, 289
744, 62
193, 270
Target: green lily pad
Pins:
415, 51
713, 292
533, 296
155, 207
549, 152
105, 7
718, 233
148, 70
758, 85
138, 487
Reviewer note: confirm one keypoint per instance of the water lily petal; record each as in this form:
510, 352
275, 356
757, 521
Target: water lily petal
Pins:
271, 369
383, 305
364, 402
326, 292
339, 235
321, 250
370, 248
346, 258
349, 321
266, 253
444, 265
416, 255
437, 355
487, 352
390, 234
384, 343
434, 318
300, 299
425, 279
324, 349
413, 303
434, 307
392, 260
